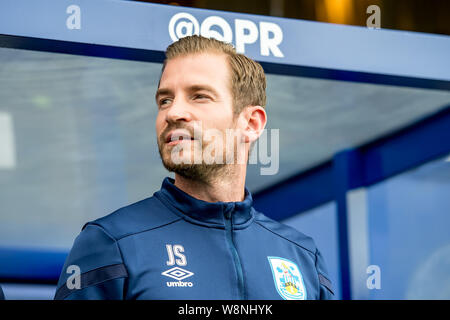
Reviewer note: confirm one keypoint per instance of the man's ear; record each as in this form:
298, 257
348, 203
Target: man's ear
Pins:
254, 119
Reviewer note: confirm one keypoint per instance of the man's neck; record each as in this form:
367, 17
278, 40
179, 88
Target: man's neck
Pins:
229, 187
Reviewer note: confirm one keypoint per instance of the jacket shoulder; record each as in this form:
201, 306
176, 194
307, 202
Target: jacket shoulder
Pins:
137, 217
305, 242
286, 232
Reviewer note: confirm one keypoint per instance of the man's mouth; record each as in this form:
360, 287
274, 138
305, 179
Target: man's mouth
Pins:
178, 136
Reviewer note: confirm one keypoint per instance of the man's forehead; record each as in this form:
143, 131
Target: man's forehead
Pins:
200, 55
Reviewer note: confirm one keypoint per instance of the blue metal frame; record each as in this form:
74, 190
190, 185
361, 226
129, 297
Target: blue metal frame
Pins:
353, 76
343, 170
298, 193
115, 52
353, 168
301, 43
82, 49
19, 265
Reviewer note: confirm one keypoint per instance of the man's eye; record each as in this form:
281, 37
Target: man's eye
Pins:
163, 102
200, 96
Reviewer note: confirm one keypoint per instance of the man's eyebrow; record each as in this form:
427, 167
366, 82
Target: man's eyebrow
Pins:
162, 91
203, 87
192, 88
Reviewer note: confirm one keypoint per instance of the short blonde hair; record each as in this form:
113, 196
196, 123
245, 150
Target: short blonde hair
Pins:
248, 81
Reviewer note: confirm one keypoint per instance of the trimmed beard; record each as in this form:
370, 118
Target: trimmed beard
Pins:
193, 171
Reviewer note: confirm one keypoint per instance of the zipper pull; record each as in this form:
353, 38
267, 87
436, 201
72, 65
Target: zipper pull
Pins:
229, 211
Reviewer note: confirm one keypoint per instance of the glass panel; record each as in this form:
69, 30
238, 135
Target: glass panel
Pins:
409, 225
317, 118
80, 144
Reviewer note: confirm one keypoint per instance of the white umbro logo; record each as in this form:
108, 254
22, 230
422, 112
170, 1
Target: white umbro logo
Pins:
177, 273
176, 256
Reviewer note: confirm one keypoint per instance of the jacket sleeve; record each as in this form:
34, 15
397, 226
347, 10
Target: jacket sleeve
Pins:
94, 269
326, 288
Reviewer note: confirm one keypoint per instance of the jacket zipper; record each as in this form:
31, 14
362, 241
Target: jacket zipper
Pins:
234, 253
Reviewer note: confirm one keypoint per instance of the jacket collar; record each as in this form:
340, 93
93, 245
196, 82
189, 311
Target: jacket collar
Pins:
210, 213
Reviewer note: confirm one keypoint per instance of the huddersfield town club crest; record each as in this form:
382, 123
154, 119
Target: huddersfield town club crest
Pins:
288, 279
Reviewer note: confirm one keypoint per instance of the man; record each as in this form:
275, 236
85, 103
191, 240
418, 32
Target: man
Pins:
199, 236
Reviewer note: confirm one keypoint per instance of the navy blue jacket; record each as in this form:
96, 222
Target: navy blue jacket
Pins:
173, 246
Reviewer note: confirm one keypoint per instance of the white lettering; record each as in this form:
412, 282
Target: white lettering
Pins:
179, 284
195, 310
185, 28
184, 24
270, 44
207, 32
243, 37
177, 249
171, 260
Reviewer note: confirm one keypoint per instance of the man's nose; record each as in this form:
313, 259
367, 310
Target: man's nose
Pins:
179, 111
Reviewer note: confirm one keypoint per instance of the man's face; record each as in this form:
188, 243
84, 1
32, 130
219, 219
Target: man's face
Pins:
193, 96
